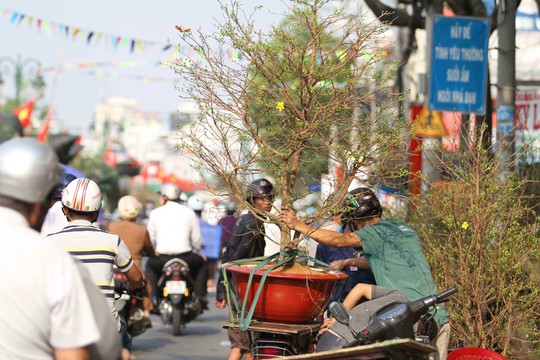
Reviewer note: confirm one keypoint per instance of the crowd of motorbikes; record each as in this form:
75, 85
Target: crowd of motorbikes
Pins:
395, 321
178, 305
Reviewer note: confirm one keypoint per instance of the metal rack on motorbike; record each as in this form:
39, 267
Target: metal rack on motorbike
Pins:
277, 340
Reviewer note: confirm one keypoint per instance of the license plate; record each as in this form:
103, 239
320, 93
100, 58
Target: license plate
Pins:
175, 287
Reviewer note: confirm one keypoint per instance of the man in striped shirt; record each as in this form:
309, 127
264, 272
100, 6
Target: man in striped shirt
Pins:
98, 250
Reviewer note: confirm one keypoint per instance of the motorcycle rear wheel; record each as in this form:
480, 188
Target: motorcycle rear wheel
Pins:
177, 321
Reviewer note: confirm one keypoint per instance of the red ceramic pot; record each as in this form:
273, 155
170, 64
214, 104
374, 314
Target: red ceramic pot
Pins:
287, 298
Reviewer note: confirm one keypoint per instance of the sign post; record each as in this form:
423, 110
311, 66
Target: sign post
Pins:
458, 66
415, 154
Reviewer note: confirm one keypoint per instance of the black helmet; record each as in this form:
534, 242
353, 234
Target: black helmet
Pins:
360, 203
65, 179
260, 188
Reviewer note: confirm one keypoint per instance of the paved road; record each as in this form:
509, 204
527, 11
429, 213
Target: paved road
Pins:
202, 339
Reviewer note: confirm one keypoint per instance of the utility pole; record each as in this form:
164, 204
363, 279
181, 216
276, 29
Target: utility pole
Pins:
506, 79
429, 165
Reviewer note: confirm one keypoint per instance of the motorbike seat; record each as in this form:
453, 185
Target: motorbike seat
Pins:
184, 267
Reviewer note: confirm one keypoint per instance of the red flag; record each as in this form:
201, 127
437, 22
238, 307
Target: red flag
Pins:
24, 112
110, 158
44, 134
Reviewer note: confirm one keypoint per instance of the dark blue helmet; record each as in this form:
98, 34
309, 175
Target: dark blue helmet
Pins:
65, 179
260, 188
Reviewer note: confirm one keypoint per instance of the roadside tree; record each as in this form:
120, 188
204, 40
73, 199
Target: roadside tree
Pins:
480, 233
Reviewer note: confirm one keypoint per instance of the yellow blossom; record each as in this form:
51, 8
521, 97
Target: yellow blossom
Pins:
280, 105
465, 225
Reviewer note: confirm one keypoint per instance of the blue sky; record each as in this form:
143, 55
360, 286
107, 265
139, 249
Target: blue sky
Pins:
77, 93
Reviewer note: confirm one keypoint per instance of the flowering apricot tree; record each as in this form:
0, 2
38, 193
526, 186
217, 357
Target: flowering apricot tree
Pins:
301, 91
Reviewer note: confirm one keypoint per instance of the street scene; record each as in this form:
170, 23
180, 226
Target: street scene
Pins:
202, 339
256, 179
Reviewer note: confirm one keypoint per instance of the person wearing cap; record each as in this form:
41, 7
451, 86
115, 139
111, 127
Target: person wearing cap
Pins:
392, 249
247, 241
97, 249
138, 242
45, 311
175, 233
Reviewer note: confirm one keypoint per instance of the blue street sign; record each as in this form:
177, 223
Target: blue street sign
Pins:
458, 67
505, 113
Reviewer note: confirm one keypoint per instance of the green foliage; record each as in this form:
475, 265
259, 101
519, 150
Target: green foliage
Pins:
106, 177
531, 174
10, 105
480, 235
6, 132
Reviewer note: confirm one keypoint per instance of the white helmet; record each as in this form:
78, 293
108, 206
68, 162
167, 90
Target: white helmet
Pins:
82, 195
170, 191
29, 170
129, 207
195, 203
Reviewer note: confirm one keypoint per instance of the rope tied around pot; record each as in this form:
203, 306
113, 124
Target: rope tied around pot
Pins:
243, 318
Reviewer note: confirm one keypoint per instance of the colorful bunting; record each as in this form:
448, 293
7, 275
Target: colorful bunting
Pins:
68, 66
92, 37
117, 75
75, 33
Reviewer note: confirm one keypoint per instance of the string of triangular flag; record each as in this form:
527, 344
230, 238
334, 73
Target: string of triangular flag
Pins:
86, 68
77, 33
118, 75
67, 66
115, 41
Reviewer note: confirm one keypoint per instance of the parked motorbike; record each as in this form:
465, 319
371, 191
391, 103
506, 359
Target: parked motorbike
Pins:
177, 301
129, 306
396, 320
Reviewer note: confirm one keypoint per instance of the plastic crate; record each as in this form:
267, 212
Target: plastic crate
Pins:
474, 354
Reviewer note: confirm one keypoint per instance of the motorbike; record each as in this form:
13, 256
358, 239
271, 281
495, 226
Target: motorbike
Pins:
129, 306
396, 320
177, 301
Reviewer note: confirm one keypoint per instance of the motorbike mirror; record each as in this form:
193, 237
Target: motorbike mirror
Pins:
339, 312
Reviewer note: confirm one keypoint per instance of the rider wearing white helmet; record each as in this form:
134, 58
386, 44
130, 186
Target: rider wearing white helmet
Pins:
98, 250
82, 196
59, 323
175, 232
129, 207
137, 240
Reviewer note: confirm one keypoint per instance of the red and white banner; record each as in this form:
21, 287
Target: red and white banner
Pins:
527, 125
